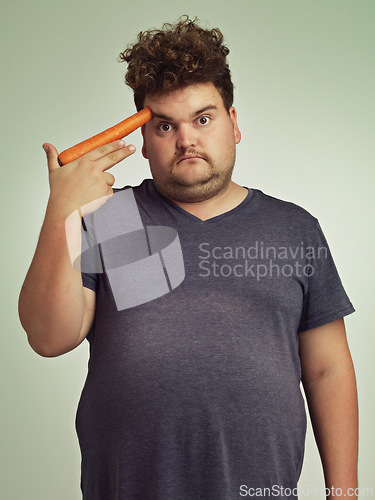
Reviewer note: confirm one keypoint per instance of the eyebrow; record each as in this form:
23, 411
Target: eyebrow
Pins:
193, 115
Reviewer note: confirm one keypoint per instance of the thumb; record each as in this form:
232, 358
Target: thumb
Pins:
52, 154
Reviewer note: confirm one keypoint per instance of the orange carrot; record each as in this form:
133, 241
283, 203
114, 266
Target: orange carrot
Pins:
118, 131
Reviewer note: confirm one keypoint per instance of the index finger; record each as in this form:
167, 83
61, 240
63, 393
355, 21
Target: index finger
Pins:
106, 149
107, 156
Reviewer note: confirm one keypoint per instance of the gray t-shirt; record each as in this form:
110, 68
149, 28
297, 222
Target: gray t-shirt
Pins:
196, 394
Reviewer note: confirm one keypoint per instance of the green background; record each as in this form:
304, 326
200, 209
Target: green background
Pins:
305, 79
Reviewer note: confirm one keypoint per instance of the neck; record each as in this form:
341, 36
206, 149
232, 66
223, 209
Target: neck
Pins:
219, 204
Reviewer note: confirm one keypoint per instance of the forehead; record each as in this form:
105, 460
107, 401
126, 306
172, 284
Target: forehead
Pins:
185, 101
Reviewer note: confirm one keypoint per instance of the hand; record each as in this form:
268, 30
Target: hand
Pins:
84, 182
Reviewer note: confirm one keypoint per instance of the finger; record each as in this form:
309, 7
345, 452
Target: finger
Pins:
104, 150
112, 158
110, 180
52, 155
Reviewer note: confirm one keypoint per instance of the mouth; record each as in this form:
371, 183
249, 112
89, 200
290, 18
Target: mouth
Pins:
190, 158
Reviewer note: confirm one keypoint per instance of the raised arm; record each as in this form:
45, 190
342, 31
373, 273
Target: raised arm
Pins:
55, 309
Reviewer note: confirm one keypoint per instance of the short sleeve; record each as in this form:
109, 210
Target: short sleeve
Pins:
325, 299
90, 280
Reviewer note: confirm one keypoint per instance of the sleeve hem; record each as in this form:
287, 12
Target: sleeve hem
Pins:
89, 284
328, 318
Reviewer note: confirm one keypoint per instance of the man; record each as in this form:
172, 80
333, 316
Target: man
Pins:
195, 394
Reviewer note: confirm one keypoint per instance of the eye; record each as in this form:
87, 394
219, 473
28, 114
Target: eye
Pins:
164, 127
204, 120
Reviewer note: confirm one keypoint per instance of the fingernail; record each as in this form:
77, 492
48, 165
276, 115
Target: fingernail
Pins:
131, 148
45, 147
121, 143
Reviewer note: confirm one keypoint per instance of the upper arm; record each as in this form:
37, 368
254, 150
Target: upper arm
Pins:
323, 349
89, 297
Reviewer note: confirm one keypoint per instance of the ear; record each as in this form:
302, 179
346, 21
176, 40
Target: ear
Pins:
236, 130
144, 148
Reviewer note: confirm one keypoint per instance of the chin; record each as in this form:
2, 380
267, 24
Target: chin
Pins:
194, 192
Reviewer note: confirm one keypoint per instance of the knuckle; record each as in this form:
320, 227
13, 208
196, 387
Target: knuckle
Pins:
90, 167
90, 170
102, 150
113, 157
110, 179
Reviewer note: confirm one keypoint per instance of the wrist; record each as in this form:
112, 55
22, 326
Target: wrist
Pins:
59, 210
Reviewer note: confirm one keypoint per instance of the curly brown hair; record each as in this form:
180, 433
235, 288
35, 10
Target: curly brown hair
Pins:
178, 55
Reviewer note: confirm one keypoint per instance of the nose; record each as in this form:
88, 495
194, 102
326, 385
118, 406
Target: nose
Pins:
186, 136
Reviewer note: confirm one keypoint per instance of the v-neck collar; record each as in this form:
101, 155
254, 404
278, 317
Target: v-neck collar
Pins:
211, 220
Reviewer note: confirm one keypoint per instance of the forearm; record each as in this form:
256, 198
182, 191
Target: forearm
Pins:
332, 401
51, 303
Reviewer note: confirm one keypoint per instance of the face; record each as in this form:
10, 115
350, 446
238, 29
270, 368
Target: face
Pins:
190, 143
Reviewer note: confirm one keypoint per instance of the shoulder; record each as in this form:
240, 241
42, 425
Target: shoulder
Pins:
282, 211
271, 203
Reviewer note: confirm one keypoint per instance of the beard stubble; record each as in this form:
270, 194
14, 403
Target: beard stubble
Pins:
216, 181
